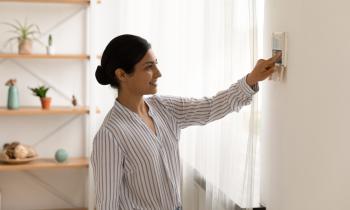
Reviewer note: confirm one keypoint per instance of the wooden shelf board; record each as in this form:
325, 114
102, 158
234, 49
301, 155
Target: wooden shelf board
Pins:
40, 111
45, 56
51, 1
46, 163
70, 209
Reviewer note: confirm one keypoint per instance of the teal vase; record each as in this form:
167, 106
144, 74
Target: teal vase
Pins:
12, 99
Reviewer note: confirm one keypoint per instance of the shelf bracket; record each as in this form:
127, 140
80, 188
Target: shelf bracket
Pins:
51, 189
61, 22
45, 138
63, 95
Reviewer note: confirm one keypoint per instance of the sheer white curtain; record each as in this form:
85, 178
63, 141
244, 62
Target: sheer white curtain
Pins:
203, 46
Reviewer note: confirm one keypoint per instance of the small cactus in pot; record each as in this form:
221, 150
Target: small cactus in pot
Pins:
49, 48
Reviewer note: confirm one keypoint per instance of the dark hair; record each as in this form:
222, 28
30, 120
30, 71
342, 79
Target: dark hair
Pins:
123, 52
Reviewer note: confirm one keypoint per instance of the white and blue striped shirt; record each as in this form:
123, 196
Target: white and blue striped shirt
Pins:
137, 169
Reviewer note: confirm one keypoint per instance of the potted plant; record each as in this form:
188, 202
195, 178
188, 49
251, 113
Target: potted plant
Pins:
49, 48
25, 34
41, 93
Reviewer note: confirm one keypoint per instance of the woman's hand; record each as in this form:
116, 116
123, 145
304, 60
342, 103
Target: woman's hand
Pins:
262, 69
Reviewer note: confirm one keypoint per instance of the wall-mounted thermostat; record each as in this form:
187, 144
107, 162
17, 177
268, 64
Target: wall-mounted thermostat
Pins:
279, 44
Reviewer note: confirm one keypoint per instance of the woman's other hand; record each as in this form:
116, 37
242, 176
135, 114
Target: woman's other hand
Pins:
262, 69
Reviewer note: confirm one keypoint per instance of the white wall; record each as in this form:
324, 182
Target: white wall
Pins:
106, 29
305, 140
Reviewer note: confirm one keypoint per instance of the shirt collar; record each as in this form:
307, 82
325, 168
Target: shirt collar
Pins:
121, 108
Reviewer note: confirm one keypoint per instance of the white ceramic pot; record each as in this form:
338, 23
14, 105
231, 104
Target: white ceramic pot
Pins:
50, 50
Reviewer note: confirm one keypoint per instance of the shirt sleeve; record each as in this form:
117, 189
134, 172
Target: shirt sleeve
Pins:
107, 161
191, 111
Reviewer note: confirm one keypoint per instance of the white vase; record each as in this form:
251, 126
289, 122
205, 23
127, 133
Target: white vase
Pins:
50, 50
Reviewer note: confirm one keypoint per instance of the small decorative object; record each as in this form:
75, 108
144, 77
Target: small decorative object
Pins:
12, 98
74, 101
61, 155
25, 34
49, 48
15, 152
41, 93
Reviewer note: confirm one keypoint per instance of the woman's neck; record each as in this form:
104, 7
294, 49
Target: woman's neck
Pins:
133, 102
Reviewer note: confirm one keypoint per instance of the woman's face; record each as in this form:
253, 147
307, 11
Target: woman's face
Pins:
143, 81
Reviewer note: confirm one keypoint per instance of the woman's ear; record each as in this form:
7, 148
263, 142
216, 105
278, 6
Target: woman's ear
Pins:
120, 74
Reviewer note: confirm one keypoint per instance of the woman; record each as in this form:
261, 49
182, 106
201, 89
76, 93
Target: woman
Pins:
135, 154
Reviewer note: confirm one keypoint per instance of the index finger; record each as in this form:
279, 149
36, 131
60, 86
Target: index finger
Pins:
275, 58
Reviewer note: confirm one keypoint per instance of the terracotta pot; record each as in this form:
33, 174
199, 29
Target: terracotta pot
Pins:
45, 102
25, 46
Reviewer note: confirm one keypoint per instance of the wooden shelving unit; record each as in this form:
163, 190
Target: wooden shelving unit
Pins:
39, 111
51, 1
46, 164
50, 163
44, 56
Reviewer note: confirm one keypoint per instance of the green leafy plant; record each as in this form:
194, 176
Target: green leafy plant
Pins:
40, 91
22, 32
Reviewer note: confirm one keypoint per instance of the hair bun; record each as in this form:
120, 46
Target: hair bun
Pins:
101, 76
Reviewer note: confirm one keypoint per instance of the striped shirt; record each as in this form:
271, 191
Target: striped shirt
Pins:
135, 168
